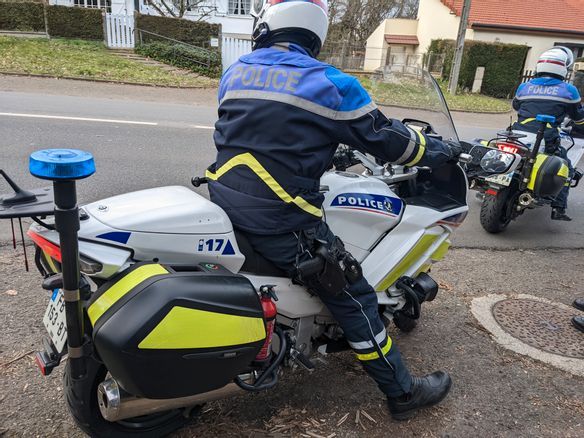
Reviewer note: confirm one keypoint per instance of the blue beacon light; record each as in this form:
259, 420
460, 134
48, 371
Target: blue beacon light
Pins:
61, 164
545, 118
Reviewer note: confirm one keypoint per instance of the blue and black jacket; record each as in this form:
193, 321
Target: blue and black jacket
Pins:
549, 96
282, 115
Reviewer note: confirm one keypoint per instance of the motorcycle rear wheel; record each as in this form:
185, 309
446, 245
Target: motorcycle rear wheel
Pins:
496, 212
81, 399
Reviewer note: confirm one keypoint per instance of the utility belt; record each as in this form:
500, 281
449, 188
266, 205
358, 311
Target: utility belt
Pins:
325, 267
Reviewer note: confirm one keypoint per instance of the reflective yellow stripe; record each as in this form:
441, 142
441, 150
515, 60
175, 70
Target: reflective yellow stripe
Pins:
581, 122
421, 246
539, 160
421, 150
121, 288
250, 161
564, 171
441, 251
375, 354
193, 328
51, 263
532, 119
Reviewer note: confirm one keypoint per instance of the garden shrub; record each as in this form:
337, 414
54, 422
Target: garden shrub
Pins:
503, 64
80, 23
197, 33
199, 60
24, 17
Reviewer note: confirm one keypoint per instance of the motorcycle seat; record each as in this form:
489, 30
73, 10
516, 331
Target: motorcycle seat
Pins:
255, 263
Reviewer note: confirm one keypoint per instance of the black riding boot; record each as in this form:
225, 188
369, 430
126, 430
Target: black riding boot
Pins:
425, 392
559, 214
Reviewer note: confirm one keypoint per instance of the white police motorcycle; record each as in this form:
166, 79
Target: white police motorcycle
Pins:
159, 306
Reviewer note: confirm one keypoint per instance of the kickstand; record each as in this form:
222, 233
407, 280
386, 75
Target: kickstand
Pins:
23, 245
13, 233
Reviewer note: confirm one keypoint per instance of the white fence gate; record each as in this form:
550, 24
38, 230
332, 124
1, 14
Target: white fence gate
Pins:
120, 31
232, 49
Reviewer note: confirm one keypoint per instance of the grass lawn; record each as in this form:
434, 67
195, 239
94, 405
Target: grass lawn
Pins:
412, 95
84, 59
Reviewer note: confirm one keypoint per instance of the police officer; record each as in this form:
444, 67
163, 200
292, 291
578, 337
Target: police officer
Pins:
548, 94
282, 114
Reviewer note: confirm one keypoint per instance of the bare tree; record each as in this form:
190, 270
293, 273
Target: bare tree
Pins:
355, 20
178, 8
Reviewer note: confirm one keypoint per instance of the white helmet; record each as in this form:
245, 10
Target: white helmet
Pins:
556, 61
304, 22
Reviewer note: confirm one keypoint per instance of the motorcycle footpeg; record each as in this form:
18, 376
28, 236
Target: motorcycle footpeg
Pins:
303, 360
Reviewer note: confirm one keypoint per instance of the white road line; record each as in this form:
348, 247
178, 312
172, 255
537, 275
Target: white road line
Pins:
203, 127
80, 119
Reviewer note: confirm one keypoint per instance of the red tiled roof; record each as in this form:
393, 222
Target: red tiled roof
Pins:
551, 15
401, 39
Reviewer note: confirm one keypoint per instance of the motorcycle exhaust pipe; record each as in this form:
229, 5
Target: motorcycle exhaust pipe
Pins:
116, 404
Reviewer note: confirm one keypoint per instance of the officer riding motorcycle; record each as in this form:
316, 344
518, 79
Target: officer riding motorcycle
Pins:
282, 114
548, 94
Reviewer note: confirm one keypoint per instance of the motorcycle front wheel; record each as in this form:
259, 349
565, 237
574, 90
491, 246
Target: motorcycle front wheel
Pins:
496, 211
81, 398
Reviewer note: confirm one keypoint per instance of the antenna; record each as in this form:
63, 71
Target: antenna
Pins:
20, 196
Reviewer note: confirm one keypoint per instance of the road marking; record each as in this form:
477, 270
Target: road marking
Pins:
80, 119
203, 127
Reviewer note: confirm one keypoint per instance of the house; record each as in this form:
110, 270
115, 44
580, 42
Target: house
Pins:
537, 24
233, 15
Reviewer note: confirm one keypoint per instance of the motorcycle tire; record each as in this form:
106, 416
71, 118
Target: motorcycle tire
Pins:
495, 214
81, 399
404, 322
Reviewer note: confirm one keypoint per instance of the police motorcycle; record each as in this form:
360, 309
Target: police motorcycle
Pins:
157, 306
537, 177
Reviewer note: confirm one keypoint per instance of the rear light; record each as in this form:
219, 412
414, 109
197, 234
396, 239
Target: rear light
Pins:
491, 192
86, 265
48, 247
508, 147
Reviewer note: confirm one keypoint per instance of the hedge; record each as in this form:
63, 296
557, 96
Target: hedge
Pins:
63, 21
25, 17
75, 22
503, 64
203, 61
197, 33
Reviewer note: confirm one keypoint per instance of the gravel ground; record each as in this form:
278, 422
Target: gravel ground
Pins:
495, 393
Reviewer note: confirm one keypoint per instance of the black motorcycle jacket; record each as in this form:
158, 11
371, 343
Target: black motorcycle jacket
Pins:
282, 115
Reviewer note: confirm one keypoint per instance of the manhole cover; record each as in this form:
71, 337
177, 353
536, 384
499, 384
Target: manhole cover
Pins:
540, 325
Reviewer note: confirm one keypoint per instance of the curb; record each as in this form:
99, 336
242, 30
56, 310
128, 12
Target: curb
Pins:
106, 81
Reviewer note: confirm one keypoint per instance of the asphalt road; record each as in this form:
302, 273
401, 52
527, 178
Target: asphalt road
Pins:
145, 138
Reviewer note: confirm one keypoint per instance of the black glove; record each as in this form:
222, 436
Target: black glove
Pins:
455, 150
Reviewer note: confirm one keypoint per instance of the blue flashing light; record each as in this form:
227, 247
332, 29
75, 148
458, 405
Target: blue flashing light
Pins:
545, 118
61, 164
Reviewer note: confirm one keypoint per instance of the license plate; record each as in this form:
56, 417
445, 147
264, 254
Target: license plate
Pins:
502, 180
54, 320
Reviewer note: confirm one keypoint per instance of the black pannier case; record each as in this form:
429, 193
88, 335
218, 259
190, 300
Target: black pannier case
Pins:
166, 332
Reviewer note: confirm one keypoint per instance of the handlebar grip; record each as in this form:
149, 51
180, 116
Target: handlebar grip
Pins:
311, 267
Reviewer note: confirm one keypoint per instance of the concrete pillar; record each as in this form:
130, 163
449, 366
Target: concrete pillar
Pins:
478, 80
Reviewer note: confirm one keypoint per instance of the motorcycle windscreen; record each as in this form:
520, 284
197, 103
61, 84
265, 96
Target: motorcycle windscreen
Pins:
165, 334
412, 93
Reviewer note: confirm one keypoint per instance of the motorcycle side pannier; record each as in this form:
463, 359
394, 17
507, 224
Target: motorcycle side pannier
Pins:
166, 333
549, 175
